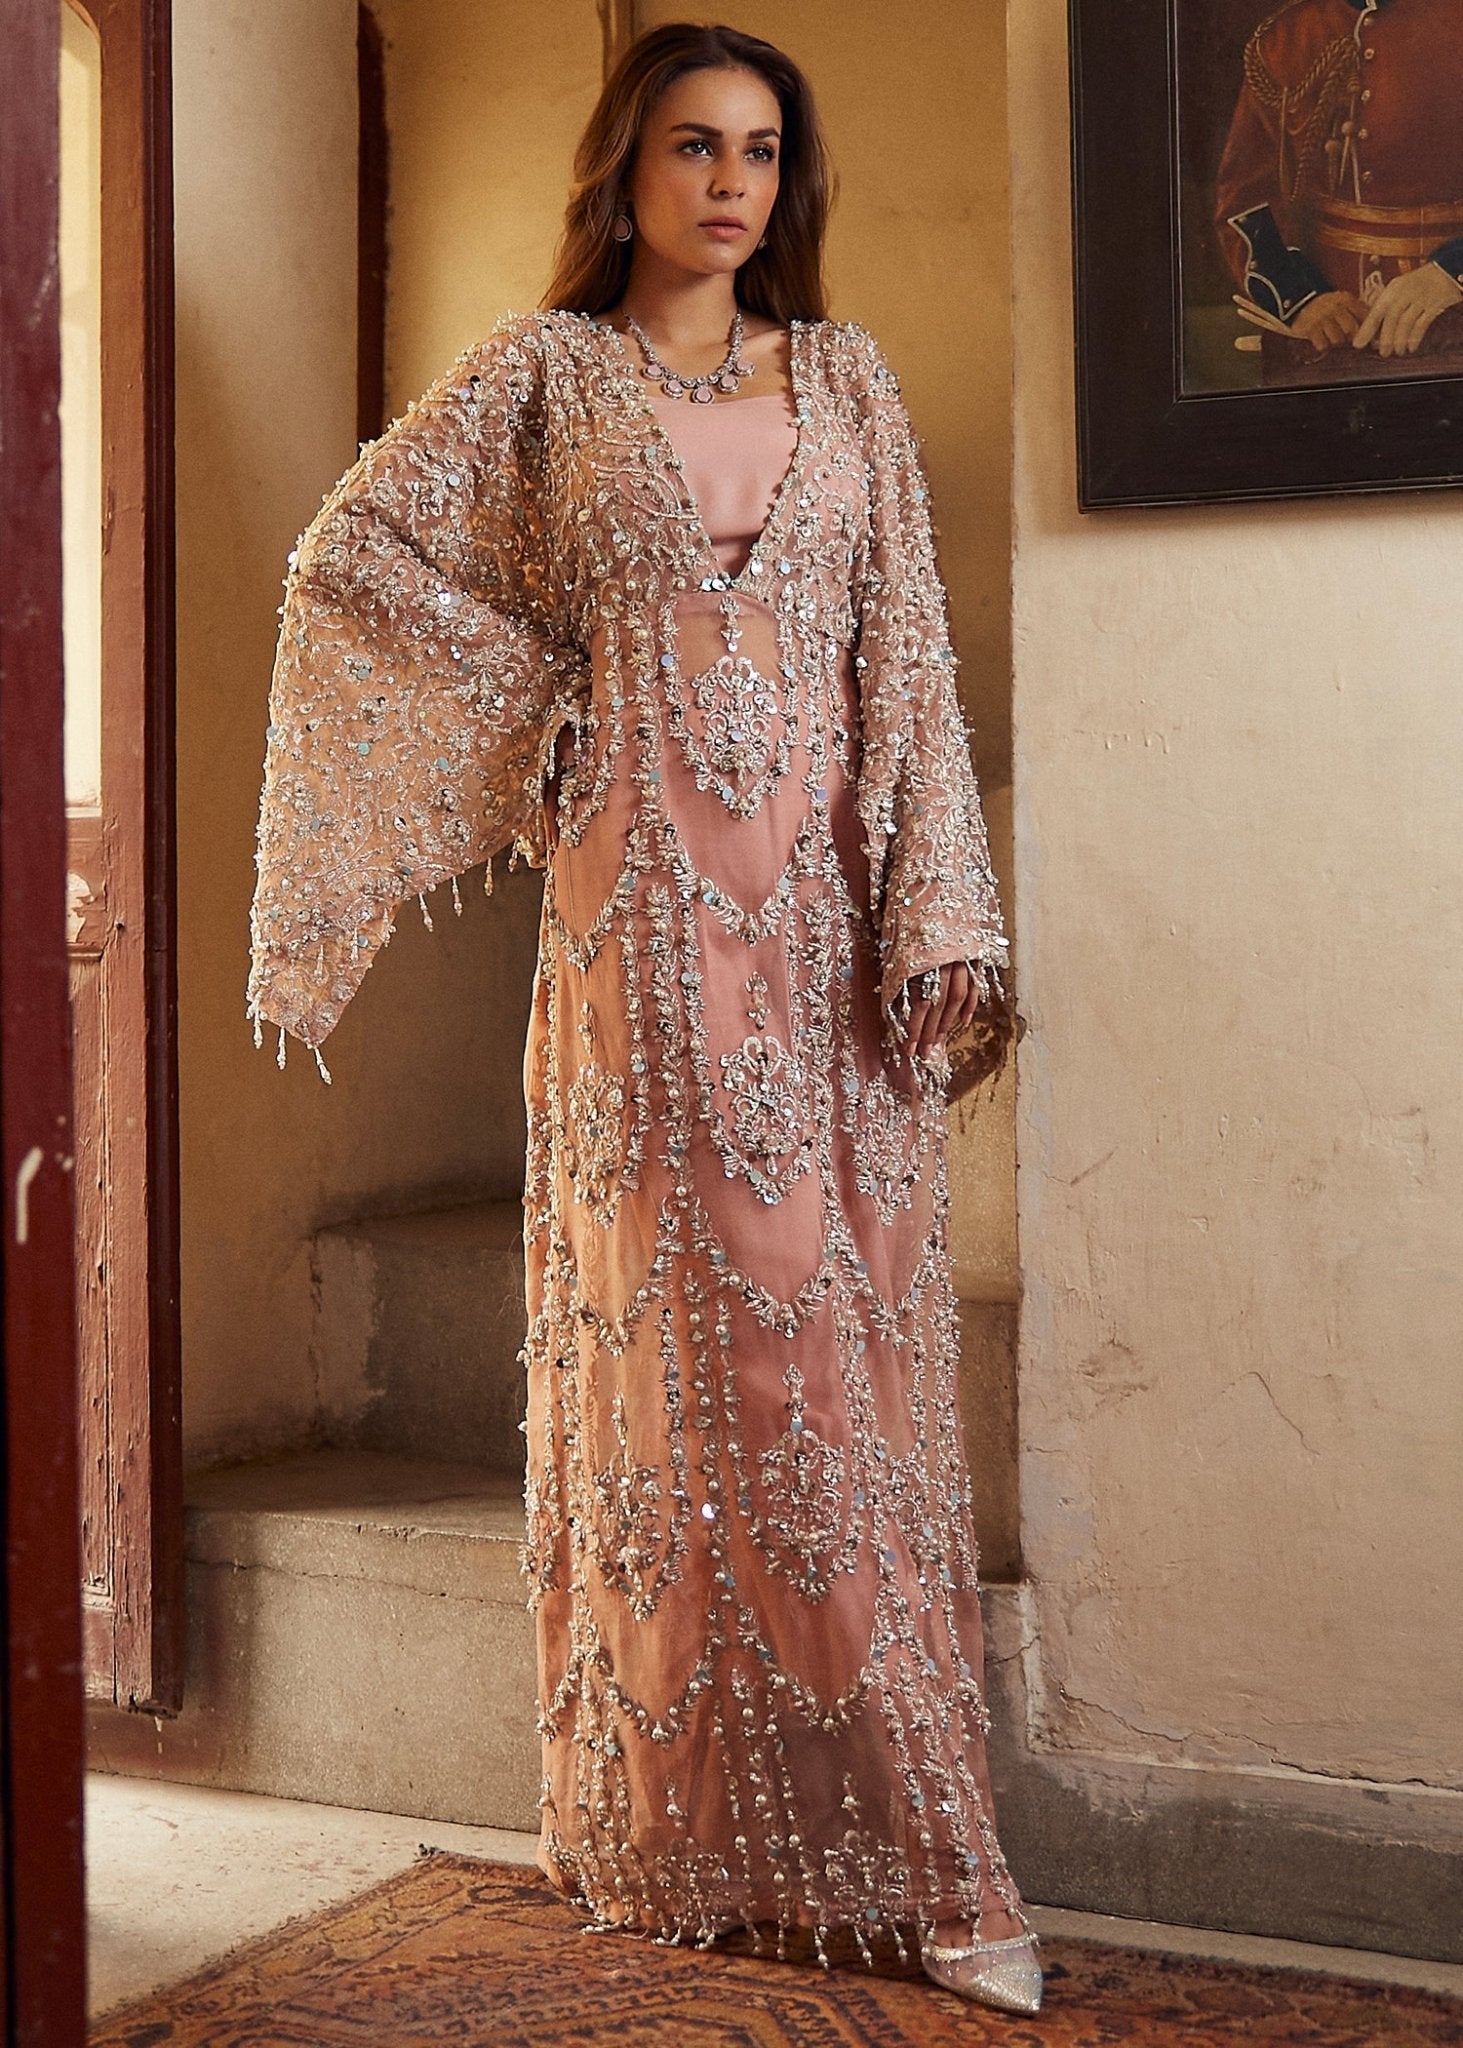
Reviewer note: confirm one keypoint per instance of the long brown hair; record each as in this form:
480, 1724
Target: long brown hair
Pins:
784, 281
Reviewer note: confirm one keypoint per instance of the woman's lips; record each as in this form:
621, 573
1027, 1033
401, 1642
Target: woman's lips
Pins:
726, 230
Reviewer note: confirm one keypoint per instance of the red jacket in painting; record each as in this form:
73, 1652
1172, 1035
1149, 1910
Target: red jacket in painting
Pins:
1344, 161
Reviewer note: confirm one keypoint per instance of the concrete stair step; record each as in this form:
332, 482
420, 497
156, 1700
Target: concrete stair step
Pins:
358, 1635
418, 1324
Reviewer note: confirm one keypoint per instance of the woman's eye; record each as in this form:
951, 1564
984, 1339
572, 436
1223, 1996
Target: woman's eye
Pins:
764, 150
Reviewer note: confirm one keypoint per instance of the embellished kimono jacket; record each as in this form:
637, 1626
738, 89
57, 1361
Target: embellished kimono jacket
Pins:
748, 1541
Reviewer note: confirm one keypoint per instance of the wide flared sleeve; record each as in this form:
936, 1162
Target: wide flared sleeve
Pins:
934, 895
424, 667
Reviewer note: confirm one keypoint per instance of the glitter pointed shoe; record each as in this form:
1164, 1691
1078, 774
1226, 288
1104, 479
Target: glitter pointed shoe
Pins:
1003, 1974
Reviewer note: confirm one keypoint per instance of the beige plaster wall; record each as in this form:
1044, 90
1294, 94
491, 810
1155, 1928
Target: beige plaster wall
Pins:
1240, 907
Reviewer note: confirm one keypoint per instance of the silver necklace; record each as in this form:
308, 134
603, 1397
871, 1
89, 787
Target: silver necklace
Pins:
701, 390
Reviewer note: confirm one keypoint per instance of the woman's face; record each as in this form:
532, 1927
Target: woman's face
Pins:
708, 153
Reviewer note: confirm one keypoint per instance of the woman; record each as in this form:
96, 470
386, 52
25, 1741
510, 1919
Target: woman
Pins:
693, 660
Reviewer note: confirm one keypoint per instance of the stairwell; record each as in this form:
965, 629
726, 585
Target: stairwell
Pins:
357, 1626
358, 1630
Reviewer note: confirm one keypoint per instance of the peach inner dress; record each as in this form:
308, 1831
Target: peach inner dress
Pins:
734, 460
818, 1378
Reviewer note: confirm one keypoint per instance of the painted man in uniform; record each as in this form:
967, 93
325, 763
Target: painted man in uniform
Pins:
1340, 193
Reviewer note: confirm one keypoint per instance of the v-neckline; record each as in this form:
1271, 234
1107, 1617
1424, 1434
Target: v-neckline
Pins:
752, 569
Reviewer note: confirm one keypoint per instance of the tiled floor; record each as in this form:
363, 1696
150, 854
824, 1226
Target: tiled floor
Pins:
177, 1875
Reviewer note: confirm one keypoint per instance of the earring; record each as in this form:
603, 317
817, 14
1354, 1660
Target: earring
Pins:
621, 228
763, 243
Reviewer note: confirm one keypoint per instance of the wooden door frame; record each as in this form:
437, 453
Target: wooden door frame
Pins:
125, 859
42, 1925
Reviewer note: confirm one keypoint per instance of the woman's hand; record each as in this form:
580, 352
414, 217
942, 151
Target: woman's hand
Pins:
932, 1018
1403, 311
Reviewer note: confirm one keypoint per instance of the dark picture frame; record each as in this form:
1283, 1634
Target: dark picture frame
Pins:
1142, 438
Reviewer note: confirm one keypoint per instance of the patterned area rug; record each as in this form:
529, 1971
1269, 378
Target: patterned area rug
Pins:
454, 1950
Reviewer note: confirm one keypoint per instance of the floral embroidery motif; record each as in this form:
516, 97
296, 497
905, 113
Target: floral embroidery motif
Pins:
888, 1168
768, 1093
595, 1134
747, 746
631, 1532
804, 1477
767, 1087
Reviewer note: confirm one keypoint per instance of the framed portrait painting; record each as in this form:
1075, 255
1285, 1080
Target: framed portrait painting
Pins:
1268, 221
